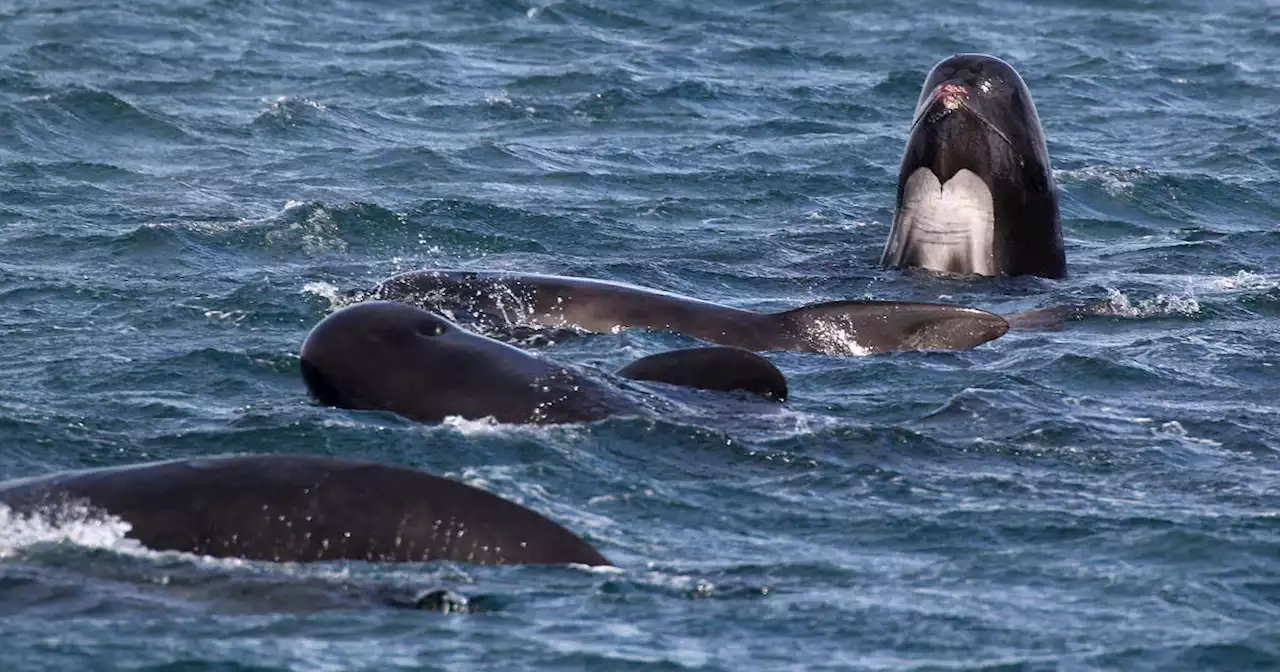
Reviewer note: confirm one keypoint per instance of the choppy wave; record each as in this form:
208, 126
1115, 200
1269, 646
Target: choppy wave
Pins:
188, 188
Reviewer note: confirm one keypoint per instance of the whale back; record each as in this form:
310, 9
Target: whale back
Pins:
286, 508
503, 301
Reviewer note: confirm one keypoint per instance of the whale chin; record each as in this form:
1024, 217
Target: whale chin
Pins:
947, 227
976, 194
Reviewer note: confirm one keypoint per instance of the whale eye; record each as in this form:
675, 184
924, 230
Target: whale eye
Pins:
431, 328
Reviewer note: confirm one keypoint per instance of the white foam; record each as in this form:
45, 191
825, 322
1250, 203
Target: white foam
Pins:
681, 582
1174, 429
1162, 304
329, 292
280, 106
319, 232
1243, 280
236, 316
486, 426
1187, 302
1114, 181
598, 569
75, 523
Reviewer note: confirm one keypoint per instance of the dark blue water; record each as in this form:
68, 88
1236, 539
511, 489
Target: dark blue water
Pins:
185, 186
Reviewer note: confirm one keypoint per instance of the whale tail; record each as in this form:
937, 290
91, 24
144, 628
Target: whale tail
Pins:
720, 368
869, 327
1055, 318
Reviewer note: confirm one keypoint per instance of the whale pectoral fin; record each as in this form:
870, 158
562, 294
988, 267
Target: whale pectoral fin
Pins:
869, 327
720, 368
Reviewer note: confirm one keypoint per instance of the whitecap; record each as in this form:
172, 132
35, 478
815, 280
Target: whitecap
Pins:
69, 523
1243, 280
1115, 181
1162, 304
329, 292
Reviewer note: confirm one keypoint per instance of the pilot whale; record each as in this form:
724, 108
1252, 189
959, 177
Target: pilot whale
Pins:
385, 355
300, 508
976, 194
498, 300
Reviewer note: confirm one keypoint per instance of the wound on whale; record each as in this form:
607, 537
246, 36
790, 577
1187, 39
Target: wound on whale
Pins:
976, 194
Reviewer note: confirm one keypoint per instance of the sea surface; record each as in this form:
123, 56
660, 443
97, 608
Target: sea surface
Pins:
187, 187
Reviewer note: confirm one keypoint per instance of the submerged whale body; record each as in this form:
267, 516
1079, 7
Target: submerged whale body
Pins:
295, 508
383, 355
501, 300
976, 194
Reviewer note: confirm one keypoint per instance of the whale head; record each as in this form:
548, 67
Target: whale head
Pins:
976, 194
383, 355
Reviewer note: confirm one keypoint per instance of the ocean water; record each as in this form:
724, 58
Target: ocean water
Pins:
185, 188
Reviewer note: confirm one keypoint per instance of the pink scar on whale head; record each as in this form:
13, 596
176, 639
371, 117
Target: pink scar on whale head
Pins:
951, 95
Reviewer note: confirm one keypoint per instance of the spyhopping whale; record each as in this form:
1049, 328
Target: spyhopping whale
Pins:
976, 194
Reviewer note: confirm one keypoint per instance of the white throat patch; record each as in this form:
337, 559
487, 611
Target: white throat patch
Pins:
944, 227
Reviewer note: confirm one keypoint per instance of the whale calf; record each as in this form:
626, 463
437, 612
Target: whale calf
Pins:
385, 355
976, 194
498, 300
298, 508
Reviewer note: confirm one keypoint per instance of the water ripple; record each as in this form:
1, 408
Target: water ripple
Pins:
188, 187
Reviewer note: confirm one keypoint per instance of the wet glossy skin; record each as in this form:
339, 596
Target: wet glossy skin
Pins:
975, 114
383, 355
299, 508
503, 300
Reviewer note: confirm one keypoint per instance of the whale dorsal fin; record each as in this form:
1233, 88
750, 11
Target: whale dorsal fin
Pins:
719, 368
